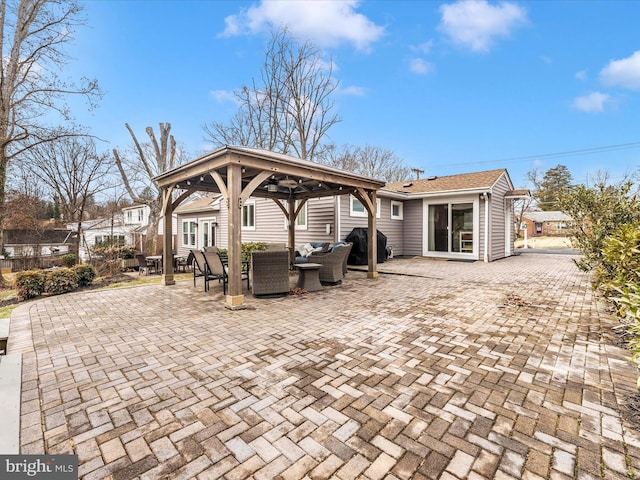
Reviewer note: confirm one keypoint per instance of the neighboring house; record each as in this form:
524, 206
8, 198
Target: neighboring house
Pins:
102, 230
137, 218
29, 243
552, 224
464, 216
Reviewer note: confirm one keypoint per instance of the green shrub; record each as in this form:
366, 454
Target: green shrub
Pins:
29, 284
60, 280
597, 212
247, 248
86, 274
69, 260
619, 280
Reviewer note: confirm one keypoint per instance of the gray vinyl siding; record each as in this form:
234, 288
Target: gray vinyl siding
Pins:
393, 229
413, 243
271, 226
497, 227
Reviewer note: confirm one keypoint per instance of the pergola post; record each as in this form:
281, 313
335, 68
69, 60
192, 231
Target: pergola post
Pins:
167, 252
372, 240
291, 229
235, 298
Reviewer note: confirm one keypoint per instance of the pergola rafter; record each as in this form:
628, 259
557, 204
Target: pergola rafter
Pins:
239, 173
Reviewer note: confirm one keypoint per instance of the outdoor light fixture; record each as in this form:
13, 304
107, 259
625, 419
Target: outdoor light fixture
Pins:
272, 187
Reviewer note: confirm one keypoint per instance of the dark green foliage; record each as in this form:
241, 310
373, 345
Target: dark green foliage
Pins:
597, 212
60, 280
86, 274
247, 248
554, 184
29, 284
69, 260
619, 280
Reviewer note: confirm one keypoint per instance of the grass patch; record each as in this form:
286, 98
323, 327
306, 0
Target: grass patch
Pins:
5, 312
8, 296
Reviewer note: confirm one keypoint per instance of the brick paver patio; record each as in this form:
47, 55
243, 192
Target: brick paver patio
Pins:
451, 370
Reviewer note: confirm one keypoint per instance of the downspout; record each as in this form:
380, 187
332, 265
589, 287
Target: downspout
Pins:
485, 196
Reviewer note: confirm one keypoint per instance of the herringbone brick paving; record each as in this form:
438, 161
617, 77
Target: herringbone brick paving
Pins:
451, 370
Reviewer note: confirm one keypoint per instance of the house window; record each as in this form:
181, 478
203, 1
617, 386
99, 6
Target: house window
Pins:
140, 215
356, 208
208, 229
450, 227
301, 219
108, 240
189, 228
249, 215
396, 210
129, 216
562, 226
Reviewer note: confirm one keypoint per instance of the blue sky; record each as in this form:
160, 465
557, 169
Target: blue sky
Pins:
449, 87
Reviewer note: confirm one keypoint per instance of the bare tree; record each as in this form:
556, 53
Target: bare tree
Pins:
73, 172
33, 35
290, 109
143, 162
369, 161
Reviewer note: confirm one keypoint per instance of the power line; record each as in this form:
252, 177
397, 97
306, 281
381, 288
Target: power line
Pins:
570, 153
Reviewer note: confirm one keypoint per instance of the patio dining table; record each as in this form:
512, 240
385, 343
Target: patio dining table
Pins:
157, 262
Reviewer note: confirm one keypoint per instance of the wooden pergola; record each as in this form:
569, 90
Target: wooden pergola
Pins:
239, 173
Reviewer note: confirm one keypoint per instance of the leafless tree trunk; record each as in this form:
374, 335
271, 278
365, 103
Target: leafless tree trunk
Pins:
137, 170
74, 172
369, 161
33, 34
290, 110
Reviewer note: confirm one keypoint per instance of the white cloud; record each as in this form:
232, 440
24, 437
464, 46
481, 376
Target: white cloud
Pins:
326, 23
623, 73
423, 48
420, 66
353, 90
222, 96
475, 24
581, 75
593, 102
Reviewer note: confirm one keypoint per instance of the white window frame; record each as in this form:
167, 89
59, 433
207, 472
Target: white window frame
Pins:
400, 206
305, 211
248, 203
207, 226
190, 233
363, 214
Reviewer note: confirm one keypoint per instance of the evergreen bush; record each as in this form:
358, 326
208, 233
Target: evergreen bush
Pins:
60, 280
69, 260
29, 284
86, 274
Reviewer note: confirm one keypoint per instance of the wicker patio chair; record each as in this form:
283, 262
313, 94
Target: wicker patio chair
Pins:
270, 272
332, 269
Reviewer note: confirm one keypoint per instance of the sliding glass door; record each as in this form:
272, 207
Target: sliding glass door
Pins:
450, 228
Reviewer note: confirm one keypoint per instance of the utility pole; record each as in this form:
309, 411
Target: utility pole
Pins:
417, 171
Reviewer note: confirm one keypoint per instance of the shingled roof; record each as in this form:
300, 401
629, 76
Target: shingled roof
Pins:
464, 181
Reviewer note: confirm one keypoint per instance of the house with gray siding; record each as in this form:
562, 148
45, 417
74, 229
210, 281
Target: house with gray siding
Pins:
464, 216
